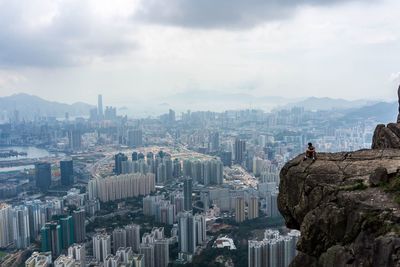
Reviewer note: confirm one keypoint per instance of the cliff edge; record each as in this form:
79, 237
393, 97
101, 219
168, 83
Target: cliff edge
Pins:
346, 205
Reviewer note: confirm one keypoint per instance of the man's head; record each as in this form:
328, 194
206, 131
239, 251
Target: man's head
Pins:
309, 144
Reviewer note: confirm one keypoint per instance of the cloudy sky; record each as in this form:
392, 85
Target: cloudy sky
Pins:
140, 50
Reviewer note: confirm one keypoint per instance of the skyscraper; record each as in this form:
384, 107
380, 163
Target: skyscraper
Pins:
274, 250
101, 246
187, 194
20, 226
213, 141
240, 148
135, 138
51, 238
187, 233
133, 236
43, 175
67, 231
200, 229
5, 225
100, 113
161, 253
78, 217
67, 172
119, 158
75, 139
119, 238
147, 250
253, 208
78, 252
240, 215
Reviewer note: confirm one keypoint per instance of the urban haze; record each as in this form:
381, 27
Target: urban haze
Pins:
150, 133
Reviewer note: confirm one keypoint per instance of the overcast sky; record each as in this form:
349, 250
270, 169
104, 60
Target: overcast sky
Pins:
138, 50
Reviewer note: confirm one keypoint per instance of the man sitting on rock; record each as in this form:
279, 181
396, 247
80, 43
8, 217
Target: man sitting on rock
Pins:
310, 152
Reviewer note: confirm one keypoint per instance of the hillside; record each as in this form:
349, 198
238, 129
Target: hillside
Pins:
30, 106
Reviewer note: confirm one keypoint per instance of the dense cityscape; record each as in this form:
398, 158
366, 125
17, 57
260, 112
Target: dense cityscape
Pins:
194, 189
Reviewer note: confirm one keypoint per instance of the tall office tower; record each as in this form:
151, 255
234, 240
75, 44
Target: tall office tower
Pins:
240, 149
118, 238
253, 208
67, 230
213, 139
177, 199
133, 236
134, 156
78, 252
147, 250
67, 172
187, 233
20, 226
43, 175
5, 225
78, 217
200, 228
187, 194
101, 246
226, 158
171, 116
161, 253
100, 113
51, 238
75, 139
240, 215
119, 158
161, 175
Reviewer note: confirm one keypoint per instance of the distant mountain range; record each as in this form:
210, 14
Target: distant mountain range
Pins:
326, 103
383, 112
30, 106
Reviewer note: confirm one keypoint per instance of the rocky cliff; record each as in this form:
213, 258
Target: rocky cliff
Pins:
346, 206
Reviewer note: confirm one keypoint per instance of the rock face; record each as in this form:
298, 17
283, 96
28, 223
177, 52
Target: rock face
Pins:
386, 136
343, 218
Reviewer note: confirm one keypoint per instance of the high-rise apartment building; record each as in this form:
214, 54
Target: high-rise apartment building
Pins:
118, 238
253, 208
240, 215
133, 236
51, 238
274, 250
6, 237
101, 246
20, 227
187, 232
78, 252
187, 194
240, 149
78, 217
